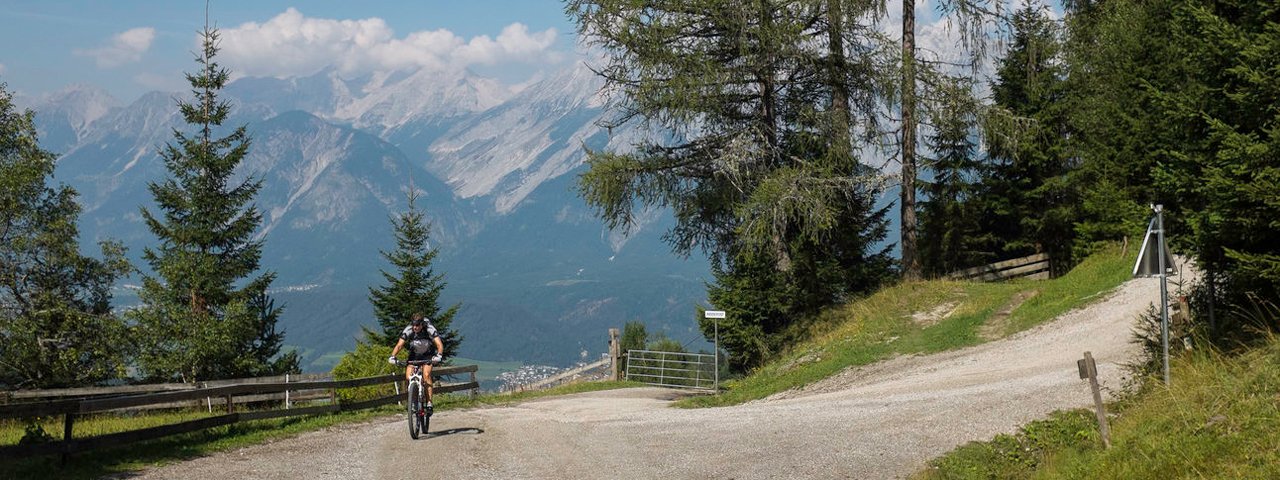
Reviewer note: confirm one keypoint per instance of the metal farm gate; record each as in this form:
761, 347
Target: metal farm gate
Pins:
673, 369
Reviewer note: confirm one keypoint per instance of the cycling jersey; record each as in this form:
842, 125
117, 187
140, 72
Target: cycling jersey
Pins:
420, 343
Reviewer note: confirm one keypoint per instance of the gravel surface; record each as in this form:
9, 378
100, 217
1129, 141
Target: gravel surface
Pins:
881, 421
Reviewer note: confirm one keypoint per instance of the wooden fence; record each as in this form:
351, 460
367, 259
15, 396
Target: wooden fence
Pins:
70, 408
288, 397
1035, 267
565, 376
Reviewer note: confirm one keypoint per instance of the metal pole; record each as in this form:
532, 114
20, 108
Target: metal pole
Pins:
717, 352
1164, 291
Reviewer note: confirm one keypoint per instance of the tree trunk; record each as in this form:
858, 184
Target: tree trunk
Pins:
841, 146
910, 256
769, 119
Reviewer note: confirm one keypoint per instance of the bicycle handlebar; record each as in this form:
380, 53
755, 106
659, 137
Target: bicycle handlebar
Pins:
404, 363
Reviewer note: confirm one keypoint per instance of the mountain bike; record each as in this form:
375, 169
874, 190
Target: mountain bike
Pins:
419, 415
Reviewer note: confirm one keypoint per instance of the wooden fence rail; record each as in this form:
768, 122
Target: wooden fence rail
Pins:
1035, 267
568, 374
71, 408
80, 392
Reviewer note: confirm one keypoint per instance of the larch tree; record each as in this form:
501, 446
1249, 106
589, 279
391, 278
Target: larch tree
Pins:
755, 106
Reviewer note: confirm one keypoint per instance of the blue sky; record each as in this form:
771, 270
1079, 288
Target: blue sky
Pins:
130, 47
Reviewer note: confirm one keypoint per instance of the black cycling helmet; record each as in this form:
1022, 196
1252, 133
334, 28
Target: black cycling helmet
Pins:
418, 322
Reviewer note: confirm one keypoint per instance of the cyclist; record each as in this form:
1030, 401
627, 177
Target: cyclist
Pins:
423, 339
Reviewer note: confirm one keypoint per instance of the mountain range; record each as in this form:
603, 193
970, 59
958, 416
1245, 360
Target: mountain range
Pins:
539, 277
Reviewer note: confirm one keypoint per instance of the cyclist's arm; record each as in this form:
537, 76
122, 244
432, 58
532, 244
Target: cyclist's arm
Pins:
397, 348
439, 346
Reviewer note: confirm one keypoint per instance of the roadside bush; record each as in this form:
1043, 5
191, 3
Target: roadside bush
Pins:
365, 361
1147, 335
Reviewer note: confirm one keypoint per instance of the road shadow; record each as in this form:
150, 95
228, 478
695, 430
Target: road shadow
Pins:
453, 431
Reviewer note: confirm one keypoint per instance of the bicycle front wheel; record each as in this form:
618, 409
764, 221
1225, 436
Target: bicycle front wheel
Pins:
414, 399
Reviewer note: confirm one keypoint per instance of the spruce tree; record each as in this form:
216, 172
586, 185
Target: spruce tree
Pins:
205, 313
950, 238
1028, 199
413, 287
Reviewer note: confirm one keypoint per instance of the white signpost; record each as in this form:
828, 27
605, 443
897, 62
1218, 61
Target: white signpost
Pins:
716, 315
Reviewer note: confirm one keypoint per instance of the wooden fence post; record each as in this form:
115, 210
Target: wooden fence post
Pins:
1089, 369
66, 436
473, 391
613, 354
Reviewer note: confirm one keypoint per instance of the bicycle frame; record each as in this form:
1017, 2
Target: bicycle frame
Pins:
419, 418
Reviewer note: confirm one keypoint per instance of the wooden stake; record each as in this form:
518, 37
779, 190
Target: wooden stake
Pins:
1089, 369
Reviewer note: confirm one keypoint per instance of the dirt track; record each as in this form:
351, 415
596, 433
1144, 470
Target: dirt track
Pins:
881, 421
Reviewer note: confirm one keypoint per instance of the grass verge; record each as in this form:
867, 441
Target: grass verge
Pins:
137, 456
1219, 419
922, 318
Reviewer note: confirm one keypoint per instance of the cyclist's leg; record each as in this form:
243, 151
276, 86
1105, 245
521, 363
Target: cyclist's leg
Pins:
426, 380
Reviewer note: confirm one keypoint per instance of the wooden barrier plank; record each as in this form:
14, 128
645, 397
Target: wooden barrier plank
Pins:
293, 378
968, 272
1039, 276
155, 387
1015, 272
457, 387
39, 409
547, 381
132, 436
294, 396
98, 391
265, 414
455, 370
377, 402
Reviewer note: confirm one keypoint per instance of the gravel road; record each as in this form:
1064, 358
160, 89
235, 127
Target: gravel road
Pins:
881, 421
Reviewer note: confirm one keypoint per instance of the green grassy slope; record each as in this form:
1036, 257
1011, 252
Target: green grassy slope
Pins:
920, 318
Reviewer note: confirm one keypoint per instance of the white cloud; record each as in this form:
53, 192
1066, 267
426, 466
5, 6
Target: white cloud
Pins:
294, 44
126, 47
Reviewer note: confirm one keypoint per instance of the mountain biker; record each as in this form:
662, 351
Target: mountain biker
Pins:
423, 339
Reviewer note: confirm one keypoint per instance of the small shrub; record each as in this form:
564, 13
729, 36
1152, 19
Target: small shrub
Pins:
35, 435
365, 361
1148, 336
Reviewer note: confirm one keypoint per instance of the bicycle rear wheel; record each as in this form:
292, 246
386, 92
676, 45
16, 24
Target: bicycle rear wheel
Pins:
414, 398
